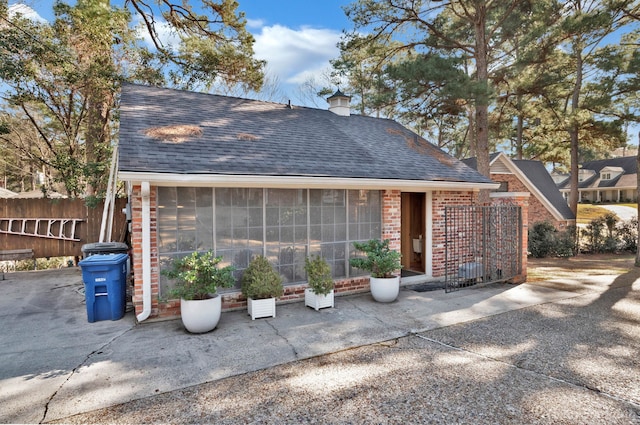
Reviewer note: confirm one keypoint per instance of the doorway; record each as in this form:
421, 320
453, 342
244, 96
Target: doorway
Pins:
413, 233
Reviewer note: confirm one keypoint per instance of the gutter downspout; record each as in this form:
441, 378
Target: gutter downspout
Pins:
146, 253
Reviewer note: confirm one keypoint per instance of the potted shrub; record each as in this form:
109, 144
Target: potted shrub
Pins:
261, 285
319, 293
381, 262
198, 277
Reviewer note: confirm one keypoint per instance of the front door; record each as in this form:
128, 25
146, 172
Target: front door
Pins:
412, 229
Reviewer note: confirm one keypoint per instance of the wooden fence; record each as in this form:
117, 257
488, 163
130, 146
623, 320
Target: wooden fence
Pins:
55, 227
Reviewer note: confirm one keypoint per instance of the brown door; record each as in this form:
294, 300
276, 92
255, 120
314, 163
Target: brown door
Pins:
412, 227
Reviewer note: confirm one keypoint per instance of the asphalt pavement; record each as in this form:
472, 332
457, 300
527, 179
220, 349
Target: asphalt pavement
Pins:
564, 351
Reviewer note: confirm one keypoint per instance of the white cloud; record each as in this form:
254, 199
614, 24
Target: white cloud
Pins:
296, 55
255, 23
166, 34
25, 11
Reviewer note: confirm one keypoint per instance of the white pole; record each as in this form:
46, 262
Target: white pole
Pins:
108, 197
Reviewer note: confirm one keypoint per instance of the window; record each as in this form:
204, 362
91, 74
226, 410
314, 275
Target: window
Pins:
285, 225
605, 176
504, 187
286, 232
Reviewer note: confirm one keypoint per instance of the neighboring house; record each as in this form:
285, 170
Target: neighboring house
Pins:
605, 180
245, 177
546, 202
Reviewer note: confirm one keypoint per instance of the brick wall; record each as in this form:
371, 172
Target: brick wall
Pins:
391, 202
537, 211
441, 199
136, 244
235, 301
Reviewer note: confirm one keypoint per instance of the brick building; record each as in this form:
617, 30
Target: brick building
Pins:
546, 203
243, 177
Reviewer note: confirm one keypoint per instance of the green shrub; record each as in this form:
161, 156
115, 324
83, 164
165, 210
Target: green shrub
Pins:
593, 234
260, 280
380, 260
198, 275
319, 275
566, 242
607, 234
546, 241
627, 235
542, 239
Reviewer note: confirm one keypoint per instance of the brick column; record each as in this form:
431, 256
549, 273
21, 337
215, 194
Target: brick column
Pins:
391, 213
136, 243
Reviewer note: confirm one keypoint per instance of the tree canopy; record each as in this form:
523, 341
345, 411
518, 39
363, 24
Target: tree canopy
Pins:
535, 78
59, 109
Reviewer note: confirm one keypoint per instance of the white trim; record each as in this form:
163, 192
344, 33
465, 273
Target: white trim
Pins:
509, 194
428, 261
297, 182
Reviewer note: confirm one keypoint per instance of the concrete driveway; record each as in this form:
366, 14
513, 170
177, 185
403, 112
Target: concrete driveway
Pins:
623, 212
562, 350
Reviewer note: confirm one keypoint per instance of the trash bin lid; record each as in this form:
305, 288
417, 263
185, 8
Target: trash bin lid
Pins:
104, 259
105, 247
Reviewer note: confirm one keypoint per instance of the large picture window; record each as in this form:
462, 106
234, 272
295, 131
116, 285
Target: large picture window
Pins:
285, 225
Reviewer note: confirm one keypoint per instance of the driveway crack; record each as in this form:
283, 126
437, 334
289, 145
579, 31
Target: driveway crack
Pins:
277, 331
73, 371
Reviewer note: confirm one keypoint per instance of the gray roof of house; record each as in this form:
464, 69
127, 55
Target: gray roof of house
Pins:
629, 165
539, 176
250, 137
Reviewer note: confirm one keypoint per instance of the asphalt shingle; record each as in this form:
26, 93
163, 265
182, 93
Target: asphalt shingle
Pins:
249, 137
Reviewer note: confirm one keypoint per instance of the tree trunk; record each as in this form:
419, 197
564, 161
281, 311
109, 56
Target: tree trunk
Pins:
519, 129
637, 264
573, 129
482, 100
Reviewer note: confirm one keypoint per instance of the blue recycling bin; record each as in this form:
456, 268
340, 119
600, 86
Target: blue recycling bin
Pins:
105, 286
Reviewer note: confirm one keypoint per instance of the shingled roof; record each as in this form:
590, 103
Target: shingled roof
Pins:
180, 132
628, 166
540, 177
535, 175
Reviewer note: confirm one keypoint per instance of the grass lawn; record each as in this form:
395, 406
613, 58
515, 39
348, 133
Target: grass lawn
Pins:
588, 212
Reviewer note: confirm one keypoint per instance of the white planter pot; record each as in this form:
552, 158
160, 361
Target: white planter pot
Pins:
200, 316
261, 308
385, 290
317, 301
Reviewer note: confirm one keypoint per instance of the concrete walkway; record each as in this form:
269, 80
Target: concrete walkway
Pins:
55, 364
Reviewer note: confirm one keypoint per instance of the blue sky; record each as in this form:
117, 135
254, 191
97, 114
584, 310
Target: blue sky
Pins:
297, 39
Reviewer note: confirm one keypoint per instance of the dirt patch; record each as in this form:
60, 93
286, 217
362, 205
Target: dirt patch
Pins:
581, 266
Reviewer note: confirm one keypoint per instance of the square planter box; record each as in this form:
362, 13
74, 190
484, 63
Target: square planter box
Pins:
317, 301
261, 308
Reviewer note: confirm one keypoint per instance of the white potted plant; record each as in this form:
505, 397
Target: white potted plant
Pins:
319, 294
261, 285
381, 262
198, 277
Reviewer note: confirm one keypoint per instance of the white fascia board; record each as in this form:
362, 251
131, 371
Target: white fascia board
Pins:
297, 182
